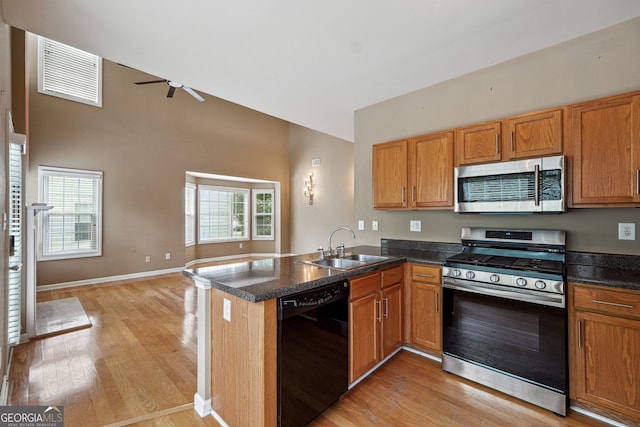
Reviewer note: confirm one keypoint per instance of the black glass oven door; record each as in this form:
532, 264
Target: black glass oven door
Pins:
518, 338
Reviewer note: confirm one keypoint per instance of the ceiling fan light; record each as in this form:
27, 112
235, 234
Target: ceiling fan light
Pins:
174, 84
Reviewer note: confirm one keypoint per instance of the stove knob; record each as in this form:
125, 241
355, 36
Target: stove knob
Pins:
494, 278
469, 274
540, 284
455, 273
521, 282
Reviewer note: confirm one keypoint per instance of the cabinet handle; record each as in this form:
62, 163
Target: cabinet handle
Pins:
615, 304
413, 193
403, 194
536, 183
437, 303
430, 276
637, 181
386, 308
497, 143
579, 334
379, 313
512, 141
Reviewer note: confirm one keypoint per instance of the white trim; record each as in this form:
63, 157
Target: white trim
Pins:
218, 418
597, 416
380, 363
4, 390
423, 354
201, 406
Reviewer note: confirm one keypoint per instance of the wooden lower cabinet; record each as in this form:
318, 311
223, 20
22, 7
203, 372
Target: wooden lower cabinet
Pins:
426, 303
604, 348
375, 319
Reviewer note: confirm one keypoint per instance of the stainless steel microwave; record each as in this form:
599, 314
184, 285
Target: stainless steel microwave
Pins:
520, 186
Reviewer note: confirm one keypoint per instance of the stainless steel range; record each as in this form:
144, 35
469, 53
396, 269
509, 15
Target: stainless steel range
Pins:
504, 313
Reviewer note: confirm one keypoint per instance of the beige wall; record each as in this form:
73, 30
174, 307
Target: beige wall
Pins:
593, 66
333, 204
144, 143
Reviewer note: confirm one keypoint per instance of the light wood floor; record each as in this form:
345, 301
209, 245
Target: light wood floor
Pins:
136, 366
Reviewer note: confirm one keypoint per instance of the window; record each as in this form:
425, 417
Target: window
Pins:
189, 214
73, 228
263, 214
223, 214
69, 73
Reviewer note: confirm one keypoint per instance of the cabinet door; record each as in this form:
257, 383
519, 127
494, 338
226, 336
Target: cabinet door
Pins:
426, 323
535, 135
608, 362
391, 319
478, 143
364, 324
390, 174
605, 152
431, 170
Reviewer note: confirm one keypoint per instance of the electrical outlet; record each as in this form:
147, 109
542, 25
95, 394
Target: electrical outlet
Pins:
147, 259
240, 245
374, 225
361, 224
167, 256
226, 310
626, 231
415, 225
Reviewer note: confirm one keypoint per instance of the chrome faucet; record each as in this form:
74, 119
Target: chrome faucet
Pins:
340, 253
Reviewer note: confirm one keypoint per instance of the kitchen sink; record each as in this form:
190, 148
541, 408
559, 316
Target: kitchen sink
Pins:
347, 262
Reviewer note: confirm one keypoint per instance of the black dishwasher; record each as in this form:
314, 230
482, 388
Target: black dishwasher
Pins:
313, 352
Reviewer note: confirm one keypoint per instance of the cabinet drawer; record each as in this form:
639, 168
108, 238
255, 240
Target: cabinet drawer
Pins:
363, 285
392, 276
609, 301
425, 273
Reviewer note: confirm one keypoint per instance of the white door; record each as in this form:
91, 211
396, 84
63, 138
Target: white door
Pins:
15, 219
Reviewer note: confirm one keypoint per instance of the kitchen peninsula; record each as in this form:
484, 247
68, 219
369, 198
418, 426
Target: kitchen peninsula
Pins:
237, 358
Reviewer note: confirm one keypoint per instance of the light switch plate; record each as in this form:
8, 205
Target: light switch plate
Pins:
226, 310
361, 224
626, 231
415, 225
374, 225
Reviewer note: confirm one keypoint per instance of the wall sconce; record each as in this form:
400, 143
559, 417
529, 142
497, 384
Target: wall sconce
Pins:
309, 188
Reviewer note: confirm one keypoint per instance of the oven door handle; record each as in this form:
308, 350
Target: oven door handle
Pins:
552, 300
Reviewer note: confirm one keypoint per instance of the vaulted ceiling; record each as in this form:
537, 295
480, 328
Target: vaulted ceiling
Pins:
313, 62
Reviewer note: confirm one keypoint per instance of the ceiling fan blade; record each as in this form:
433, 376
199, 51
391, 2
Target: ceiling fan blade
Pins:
193, 93
151, 81
171, 92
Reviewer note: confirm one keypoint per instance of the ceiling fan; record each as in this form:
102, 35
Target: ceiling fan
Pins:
172, 88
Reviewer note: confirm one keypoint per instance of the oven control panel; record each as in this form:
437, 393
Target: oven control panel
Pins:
505, 279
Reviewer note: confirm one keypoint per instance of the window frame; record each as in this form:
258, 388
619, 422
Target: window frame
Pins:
247, 214
190, 195
60, 92
255, 213
44, 171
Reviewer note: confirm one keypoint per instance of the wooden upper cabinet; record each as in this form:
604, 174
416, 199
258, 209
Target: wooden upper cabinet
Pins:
478, 143
390, 174
431, 170
605, 152
534, 135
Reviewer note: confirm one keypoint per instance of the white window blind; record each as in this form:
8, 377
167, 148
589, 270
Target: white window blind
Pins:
223, 214
69, 73
263, 211
189, 214
73, 228
15, 234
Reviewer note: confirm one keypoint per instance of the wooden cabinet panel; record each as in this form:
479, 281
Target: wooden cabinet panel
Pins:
478, 143
363, 337
391, 319
431, 170
535, 134
426, 329
604, 348
605, 152
608, 356
426, 304
375, 319
390, 174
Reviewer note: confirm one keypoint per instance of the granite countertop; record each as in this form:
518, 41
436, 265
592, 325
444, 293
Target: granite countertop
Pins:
265, 279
